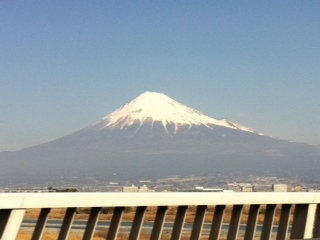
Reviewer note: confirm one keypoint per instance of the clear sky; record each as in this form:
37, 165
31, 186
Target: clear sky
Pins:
66, 64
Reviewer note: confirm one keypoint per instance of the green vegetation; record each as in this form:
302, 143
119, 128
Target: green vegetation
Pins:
62, 189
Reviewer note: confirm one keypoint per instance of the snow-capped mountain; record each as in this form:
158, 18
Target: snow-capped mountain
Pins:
158, 111
151, 107
155, 136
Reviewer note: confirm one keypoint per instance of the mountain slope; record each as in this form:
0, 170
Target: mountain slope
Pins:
154, 136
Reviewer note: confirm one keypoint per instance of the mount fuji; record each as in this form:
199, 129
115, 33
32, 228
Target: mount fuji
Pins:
154, 136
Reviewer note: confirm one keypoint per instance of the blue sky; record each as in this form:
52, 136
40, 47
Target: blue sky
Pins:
66, 64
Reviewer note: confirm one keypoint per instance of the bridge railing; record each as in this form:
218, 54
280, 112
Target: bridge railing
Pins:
281, 215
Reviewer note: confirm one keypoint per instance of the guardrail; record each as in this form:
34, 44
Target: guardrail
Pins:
298, 214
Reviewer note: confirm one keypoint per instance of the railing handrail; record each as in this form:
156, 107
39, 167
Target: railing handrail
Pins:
117, 199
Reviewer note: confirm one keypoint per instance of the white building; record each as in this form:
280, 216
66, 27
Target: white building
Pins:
131, 188
279, 188
134, 188
143, 188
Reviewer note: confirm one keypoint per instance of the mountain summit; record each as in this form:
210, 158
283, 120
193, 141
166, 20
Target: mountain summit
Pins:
152, 107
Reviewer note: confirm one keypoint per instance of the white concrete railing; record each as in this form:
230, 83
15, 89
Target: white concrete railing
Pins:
302, 208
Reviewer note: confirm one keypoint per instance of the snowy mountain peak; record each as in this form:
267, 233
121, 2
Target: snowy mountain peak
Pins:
152, 107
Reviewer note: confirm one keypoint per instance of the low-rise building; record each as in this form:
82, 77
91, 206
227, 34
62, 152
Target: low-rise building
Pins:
131, 188
279, 187
134, 188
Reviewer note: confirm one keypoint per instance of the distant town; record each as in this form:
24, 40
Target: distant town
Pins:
216, 183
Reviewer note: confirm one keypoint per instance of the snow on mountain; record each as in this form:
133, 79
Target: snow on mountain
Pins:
151, 107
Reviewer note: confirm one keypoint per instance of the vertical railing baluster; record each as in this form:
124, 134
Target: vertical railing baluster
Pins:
13, 224
4, 216
316, 230
115, 223
235, 222
303, 220
158, 223
67, 223
198, 222
284, 221
308, 232
92, 223
217, 222
252, 222
41, 223
178, 222
268, 222
137, 223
